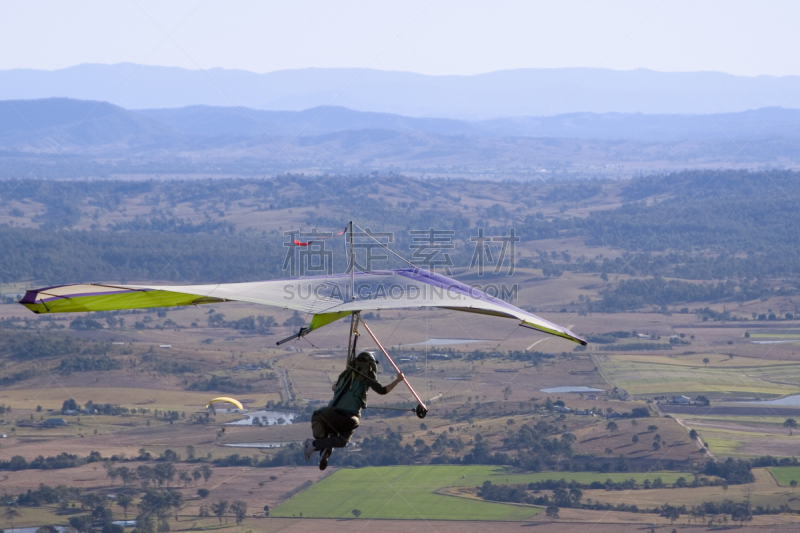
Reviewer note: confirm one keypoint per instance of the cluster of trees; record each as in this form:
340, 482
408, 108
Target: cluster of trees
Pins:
72, 256
22, 375
705, 242
636, 293
220, 383
160, 475
734, 472
165, 366
255, 324
224, 509
34, 346
570, 495
636, 347
62, 460
82, 363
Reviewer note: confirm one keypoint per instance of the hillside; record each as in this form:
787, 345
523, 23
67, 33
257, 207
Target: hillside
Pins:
100, 139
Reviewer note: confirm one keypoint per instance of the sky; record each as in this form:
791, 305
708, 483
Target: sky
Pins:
435, 37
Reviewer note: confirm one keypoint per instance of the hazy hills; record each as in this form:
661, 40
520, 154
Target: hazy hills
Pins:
336, 139
512, 93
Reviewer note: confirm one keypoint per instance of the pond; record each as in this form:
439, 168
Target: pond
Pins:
268, 418
792, 401
553, 390
260, 445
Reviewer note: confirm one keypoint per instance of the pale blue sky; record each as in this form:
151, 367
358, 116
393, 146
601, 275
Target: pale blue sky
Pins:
438, 37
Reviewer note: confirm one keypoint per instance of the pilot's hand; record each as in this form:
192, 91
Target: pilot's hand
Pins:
400, 377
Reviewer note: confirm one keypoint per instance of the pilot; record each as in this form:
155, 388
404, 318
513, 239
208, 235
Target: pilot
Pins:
333, 426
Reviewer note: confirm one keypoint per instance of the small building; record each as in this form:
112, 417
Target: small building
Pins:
54, 422
614, 415
682, 400
592, 397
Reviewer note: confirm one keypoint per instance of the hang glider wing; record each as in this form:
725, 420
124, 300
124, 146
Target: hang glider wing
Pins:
328, 298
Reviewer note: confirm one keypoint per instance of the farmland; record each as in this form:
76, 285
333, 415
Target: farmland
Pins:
739, 377
399, 492
489, 419
784, 475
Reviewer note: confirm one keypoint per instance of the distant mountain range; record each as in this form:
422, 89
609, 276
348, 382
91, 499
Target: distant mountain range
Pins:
511, 93
103, 123
233, 140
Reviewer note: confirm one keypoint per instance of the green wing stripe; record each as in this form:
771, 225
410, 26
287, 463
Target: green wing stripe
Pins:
42, 302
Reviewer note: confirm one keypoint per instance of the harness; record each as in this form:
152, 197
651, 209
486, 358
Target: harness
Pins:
352, 387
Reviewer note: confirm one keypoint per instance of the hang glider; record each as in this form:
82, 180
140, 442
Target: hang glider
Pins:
327, 298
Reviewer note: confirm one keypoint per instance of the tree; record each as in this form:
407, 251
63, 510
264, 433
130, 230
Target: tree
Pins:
552, 512
656, 446
11, 514
706, 360
612, 426
356, 512
742, 514
693, 434
239, 510
145, 475
102, 515
266, 511
791, 424
124, 500
671, 513
176, 501
561, 497
220, 509
793, 484
164, 473
206, 471
635, 439
69, 405
111, 472
144, 523
575, 495
127, 475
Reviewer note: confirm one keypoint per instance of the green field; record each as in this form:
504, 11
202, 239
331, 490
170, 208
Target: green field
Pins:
672, 376
785, 474
409, 492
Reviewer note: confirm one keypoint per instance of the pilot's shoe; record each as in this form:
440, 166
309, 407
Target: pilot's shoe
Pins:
308, 449
323, 462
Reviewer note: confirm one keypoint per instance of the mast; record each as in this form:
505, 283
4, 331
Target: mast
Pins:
352, 266
351, 340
